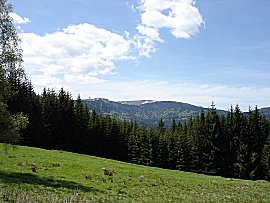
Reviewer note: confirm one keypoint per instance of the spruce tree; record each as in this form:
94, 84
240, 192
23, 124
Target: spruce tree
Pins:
173, 147
209, 148
240, 141
133, 148
80, 126
256, 140
265, 160
199, 142
144, 146
51, 112
183, 158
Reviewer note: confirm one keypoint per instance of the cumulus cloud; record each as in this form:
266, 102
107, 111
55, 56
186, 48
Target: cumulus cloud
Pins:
181, 17
79, 52
18, 19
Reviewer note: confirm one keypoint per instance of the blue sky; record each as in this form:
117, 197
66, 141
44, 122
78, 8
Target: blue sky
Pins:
181, 50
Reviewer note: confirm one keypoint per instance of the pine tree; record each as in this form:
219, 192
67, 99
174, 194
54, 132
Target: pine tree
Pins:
163, 154
133, 149
209, 148
173, 147
256, 139
223, 155
199, 142
265, 161
51, 112
230, 131
152, 145
94, 126
144, 146
161, 128
122, 149
183, 149
240, 142
154, 141
173, 126
80, 126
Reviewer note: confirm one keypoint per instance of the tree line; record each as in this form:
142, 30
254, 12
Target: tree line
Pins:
233, 145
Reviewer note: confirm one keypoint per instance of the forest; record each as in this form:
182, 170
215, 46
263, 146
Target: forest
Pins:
232, 146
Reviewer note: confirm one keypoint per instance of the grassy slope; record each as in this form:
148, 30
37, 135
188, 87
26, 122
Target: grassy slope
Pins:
67, 177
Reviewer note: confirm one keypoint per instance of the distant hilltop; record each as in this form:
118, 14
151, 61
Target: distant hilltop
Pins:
145, 111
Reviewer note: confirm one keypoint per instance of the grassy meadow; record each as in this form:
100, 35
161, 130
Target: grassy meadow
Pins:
37, 175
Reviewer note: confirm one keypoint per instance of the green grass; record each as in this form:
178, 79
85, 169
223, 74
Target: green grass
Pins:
36, 175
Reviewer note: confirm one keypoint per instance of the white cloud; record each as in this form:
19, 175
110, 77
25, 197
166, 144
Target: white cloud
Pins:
46, 81
149, 32
82, 79
181, 17
145, 46
18, 19
82, 52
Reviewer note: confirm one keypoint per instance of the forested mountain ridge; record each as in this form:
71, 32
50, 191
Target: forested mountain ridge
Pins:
150, 112
265, 112
145, 111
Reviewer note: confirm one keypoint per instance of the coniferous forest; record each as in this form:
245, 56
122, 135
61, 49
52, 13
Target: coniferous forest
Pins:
232, 146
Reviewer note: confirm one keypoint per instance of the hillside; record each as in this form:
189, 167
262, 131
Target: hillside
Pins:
265, 112
146, 111
36, 175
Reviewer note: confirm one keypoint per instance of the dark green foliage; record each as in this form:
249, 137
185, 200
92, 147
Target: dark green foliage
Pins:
265, 161
80, 126
133, 148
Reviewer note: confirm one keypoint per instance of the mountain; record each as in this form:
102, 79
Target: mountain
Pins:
150, 112
265, 112
146, 111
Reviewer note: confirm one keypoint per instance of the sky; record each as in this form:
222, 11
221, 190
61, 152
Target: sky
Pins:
174, 50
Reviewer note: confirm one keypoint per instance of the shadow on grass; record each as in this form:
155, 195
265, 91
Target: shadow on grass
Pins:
20, 178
